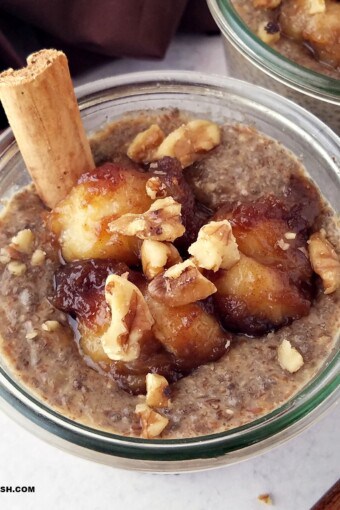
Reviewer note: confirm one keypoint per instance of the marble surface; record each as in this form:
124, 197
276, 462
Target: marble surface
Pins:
296, 474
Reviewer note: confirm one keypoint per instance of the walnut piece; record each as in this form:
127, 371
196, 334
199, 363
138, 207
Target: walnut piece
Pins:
180, 285
130, 319
152, 423
23, 241
266, 34
156, 391
288, 357
50, 326
156, 256
216, 247
142, 147
325, 262
190, 141
265, 498
162, 222
38, 257
4, 256
155, 188
16, 268
283, 245
31, 335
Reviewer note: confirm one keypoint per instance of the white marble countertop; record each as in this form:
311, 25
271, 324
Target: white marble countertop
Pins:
296, 474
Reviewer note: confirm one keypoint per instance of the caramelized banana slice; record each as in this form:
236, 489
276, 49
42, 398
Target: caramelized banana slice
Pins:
189, 332
269, 233
252, 298
169, 173
102, 195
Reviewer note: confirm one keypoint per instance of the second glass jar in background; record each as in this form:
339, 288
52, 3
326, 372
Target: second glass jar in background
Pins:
250, 59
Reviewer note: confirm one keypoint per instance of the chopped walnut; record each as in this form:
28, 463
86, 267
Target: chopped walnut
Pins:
4, 256
181, 284
144, 144
265, 498
288, 357
216, 247
38, 257
23, 241
50, 326
290, 235
31, 335
283, 245
130, 319
325, 262
157, 388
268, 33
156, 256
162, 222
190, 141
155, 188
152, 423
16, 268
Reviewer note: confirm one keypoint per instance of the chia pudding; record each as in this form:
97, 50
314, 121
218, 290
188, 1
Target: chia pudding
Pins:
242, 380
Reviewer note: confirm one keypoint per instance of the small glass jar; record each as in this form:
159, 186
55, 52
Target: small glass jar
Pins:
220, 99
251, 59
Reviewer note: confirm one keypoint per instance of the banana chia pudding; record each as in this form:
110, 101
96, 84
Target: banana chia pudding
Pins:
185, 286
304, 31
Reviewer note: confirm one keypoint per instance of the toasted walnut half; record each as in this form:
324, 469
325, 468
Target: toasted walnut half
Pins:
289, 358
180, 285
157, 388
215, 247
162, 222
152, 423
142, 147
130, 319
156, 256
325, 262
189, 142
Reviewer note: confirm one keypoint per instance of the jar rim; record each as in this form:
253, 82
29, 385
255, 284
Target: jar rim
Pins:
268, 59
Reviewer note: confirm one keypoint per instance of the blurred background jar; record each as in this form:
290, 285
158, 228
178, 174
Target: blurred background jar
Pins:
251, 59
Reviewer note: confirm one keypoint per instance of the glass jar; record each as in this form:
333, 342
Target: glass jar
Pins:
251, 59
220, 99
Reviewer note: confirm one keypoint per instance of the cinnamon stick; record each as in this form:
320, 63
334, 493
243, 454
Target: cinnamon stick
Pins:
42, 110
